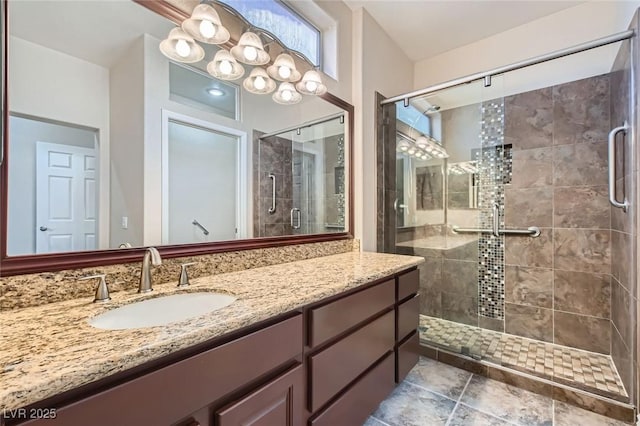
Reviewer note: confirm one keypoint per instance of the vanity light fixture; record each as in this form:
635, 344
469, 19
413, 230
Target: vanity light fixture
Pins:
259, 82
181, 47
311, 84
284, 69
467, 167
423, 147
224, 66
204, 25
250, 50
287, 94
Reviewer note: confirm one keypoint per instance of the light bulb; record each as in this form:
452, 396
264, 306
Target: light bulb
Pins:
182, 48
287, 95
259, 83
411, 151
225, 67
250, 53
284, 72
207, 29
311, 86
403, 148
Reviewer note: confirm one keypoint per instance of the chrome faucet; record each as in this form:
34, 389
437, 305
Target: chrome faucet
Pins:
151, 257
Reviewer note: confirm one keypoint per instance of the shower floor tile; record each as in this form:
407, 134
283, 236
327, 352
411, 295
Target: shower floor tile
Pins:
588, 371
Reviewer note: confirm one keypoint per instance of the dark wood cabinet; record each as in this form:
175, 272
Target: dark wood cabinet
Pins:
331, 319
354, 406
167, 395
330, 363
278, 403
407, 321
335, 367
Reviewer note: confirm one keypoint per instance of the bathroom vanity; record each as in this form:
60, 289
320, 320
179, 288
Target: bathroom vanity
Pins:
329, 361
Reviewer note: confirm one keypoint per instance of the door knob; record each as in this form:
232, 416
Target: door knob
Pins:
44, 228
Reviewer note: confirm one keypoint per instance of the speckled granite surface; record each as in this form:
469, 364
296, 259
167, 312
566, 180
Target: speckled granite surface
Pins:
49, 349
22, 291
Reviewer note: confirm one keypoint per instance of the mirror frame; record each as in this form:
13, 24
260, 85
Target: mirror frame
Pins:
25, 264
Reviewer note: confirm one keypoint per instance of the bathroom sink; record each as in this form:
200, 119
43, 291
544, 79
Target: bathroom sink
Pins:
161, 310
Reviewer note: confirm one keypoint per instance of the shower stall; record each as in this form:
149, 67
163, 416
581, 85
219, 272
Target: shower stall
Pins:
518, 186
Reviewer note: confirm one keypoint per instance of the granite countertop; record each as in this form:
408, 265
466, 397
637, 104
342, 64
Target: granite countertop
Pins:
49, 349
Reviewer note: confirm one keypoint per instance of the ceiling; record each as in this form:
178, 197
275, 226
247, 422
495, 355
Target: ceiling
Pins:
97, 31
427, 28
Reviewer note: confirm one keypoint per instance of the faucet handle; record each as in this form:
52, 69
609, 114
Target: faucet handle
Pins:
102, 291
183, 281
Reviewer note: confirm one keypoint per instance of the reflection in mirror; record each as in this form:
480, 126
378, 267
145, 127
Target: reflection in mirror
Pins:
462, 185
301, 180
420, 164
120, 146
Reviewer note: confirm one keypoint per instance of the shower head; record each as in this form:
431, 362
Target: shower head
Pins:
432, 108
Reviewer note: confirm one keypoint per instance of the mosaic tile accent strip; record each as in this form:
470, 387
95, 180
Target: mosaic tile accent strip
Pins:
494, 170
340, 183
584, 370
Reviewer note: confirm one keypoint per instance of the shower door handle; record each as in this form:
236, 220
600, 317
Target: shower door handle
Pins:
612, 168
272, 209
296, 212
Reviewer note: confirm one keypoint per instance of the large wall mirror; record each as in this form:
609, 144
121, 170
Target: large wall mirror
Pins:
109, 146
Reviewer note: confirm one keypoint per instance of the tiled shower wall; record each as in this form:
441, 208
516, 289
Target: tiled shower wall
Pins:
558, 287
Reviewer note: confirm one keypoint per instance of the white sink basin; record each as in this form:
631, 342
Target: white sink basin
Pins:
161, 310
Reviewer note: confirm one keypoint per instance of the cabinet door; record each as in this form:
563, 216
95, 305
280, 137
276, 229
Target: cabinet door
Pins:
278, 403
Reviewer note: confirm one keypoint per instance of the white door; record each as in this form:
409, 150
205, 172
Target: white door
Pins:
66, 199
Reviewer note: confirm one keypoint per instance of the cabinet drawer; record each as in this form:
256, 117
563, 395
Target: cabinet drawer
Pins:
408, 284
408, 317
336, 317
278, 403
168, 394
407, 356
361, 399
335, 367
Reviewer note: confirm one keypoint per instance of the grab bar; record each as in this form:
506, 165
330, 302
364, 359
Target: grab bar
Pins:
272, 209
199, 225
299, 214
496, 220
532, 231
612, 168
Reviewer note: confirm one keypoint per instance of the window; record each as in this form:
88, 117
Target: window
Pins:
413, 117
279, 19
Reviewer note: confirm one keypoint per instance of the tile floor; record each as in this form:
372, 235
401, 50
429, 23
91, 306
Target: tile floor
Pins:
589, 371
438, 394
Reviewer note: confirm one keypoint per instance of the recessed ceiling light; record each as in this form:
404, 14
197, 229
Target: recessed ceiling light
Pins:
214, 91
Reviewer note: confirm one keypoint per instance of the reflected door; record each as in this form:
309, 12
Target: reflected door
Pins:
202, 188
65, 198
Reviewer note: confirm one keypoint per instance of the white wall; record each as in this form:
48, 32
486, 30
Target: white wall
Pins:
23, 136
202, 184
127, 139
52, 85
378, 65
341, 86
569, 27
